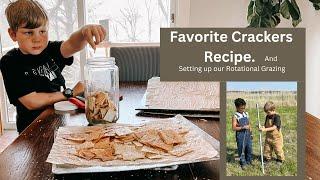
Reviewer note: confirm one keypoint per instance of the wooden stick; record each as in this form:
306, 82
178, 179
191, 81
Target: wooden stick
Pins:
260, 139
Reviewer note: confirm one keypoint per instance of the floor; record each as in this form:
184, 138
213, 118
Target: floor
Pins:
7, 138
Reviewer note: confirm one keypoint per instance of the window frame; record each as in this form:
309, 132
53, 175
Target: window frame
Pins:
3, 98
175, 6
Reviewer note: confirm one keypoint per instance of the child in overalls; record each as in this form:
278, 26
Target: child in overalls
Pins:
274, 138
241, 124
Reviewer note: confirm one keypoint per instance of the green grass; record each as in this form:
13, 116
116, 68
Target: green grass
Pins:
288, 116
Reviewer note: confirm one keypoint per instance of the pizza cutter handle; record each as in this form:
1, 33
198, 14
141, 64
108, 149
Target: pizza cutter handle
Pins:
77, 102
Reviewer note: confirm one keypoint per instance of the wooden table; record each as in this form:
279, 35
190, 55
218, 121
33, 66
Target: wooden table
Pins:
312, 147
25, 157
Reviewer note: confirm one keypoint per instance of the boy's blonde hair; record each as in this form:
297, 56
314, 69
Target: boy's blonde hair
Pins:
269, 106
26, 13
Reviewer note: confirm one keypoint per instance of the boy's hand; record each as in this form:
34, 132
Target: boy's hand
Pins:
246, 127
262, 128
93, 34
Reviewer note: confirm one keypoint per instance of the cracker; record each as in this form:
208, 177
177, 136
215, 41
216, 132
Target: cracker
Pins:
152, 138
103, 145
128, 152
103, 111
78, 138
97, 117
108, 133
171, 137
103, 154
118, 141
93, 129
85, 153
96, 111
137, 144
105, 104
151, 150
127, 143
104, 139
123, 131
180, 152
91, 102
94, 136
110, 116
140, 134
85, 145
153, 156
127, 138
100, 98
111, 105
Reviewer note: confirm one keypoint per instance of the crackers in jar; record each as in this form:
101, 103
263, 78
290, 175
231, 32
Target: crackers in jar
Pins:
100, 108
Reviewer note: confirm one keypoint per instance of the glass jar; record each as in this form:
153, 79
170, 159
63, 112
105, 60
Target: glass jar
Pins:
101, 77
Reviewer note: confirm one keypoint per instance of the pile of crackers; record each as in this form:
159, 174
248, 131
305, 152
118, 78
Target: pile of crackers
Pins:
129, 144
101, 107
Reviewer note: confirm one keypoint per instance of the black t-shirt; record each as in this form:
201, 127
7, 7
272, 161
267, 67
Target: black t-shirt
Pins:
275, 119
24, 74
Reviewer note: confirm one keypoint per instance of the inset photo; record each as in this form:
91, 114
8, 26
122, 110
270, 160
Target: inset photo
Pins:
261, 134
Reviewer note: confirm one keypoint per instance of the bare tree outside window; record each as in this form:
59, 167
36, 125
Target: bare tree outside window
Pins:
62, 17
5, 38
132, 20
128, 21
150, 15
164, 6
63, 22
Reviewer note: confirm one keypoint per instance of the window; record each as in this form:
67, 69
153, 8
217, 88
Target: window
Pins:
126, 21
8, 111
130, 20
6, 42
63, 21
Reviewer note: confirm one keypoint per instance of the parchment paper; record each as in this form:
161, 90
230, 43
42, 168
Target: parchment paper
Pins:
182, 95
61, 154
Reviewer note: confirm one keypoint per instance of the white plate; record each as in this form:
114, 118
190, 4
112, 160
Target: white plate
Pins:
64, 106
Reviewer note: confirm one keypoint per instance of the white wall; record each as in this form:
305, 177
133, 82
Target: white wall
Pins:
231, 13
218, 13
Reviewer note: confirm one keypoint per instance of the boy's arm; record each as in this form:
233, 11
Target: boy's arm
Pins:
79, 39
269, 128
235, 127
34, 100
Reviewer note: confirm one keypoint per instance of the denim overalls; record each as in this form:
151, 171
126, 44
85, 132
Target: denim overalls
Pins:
243, 138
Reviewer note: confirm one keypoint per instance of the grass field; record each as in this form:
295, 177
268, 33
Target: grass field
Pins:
287, 109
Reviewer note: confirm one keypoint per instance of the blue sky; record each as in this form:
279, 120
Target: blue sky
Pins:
262, 86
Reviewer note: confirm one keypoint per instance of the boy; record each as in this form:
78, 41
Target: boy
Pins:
274, 138
32, 72
241, 124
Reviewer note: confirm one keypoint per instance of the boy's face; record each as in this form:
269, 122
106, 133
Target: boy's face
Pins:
269, 113
31, 41
241, 109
